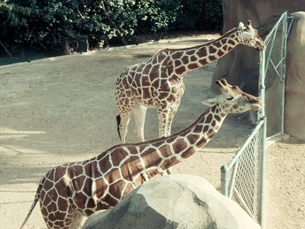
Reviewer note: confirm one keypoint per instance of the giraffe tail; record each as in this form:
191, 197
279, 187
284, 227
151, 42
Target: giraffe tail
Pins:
118, 122
37, 196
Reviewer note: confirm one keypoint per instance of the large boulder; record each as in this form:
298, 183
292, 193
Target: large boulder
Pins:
176, 201
295, 84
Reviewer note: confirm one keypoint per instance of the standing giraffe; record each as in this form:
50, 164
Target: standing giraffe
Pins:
68, 192
158, 83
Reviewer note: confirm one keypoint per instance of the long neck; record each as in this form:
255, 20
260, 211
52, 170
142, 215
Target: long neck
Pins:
189, 59
168, 151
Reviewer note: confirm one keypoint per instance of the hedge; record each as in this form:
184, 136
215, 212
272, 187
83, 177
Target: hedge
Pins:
47, 24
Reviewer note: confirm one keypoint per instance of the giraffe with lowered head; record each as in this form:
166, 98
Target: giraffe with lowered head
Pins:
158, 83
70, 191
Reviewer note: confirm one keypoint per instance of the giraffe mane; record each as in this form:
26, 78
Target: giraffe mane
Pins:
233, 30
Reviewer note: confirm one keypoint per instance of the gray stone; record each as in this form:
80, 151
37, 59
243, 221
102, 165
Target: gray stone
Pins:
175, 201
295, 84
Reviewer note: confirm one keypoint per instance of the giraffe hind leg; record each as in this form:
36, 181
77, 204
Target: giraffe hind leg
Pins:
123, 127
140, 113
162, 117
171, 114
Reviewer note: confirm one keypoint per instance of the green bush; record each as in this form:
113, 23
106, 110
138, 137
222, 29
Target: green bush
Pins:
47, 24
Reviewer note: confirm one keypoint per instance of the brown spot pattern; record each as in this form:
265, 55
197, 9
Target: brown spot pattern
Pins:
202, 52
132, 150
231, 42
212, 58
192, 138
208, 118
205, 128
193, 58
110, 200
217, 117
220, 53
169, 162
165, 150
211, 133
192, 66
127, 190
180, 70
213, 123
116, 188
201, 142
177, 55
118, 155
185, 59
190, 151
203, 61
212, 49
198, 129
179, 145
113, 175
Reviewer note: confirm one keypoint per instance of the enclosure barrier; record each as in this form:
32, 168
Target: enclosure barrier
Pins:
242, 179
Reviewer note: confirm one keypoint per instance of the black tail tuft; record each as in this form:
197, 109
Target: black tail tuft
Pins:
118, 121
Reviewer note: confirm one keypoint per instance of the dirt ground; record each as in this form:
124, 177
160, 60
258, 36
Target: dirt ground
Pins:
61, 109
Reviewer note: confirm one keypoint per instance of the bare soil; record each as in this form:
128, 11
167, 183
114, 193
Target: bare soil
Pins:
62, 109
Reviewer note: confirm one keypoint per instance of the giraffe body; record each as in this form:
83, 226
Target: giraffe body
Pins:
68, 192
158, 83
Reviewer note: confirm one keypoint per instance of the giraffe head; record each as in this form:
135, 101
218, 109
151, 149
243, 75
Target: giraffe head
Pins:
233, 100
247, 35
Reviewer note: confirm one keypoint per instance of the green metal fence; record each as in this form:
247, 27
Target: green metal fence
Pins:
242, 179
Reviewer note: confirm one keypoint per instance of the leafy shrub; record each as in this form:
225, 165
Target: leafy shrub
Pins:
47, 24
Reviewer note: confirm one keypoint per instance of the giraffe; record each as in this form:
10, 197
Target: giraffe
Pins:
158, 83
70, 191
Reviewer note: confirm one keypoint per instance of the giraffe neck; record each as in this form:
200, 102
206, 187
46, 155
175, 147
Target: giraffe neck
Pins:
170, 150
189, 59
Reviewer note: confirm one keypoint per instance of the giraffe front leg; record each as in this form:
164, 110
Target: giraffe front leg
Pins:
171, 114
163, 116
163, 113
123, 127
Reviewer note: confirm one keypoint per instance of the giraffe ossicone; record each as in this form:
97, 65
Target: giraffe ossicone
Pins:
158, 83
70, 191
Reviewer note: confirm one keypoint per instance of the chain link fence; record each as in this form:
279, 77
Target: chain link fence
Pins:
272, 77
242, 179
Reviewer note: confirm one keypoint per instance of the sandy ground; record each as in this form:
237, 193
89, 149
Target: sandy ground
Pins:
58, 110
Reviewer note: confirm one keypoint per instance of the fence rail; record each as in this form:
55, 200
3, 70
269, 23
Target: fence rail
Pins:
242, 178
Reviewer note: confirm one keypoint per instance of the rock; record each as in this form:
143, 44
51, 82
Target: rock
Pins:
175, 201
295, 84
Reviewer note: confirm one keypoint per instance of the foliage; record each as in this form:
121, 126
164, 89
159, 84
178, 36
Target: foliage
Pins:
47, 24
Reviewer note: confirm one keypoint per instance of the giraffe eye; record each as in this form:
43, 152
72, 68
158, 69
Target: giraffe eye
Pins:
230, 98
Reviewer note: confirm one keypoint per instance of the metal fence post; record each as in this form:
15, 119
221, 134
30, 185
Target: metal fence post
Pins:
224, 181
262, 173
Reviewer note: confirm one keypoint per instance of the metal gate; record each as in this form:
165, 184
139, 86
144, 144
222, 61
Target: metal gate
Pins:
242, 179
273, 75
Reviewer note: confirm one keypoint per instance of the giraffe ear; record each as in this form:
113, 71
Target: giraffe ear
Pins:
241, 25
209, 102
